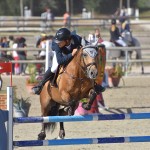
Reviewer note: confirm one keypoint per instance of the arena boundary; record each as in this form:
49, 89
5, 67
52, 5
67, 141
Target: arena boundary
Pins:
82, 141
11, 144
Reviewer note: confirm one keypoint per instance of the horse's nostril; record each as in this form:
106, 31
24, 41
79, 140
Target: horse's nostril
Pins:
93, 74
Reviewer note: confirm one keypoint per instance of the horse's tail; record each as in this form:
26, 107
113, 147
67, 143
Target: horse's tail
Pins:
52, 112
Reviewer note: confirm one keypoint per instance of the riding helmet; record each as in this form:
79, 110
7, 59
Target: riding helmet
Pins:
62, 34
113, 21
122, 19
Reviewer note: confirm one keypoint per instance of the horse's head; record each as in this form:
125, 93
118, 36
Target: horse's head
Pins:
127, 36
89, 59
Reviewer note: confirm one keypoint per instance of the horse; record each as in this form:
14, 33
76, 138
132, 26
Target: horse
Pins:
75, 81
130, 41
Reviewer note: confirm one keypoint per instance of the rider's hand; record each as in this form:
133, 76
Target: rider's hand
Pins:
74, 52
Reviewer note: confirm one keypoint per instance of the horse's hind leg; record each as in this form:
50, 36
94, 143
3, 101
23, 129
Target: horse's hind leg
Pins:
62, 130
45, 102
42, 134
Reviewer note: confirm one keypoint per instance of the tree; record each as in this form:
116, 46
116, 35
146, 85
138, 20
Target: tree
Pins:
9, 8
143, 4
58, 7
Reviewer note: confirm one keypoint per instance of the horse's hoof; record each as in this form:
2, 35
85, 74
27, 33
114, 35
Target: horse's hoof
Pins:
59, 138
70, 112
61, 134
86, 106
66, 109
41, 136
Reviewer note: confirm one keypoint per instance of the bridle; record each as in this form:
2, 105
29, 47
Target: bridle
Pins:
86, 67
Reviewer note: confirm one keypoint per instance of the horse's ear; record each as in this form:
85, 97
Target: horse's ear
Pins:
83, 42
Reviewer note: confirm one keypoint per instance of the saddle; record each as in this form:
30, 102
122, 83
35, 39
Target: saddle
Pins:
54, 81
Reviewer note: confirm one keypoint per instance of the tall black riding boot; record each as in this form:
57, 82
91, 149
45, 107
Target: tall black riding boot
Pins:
99, 88
47, 76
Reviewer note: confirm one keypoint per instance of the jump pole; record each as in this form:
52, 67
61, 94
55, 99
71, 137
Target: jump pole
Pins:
91, 117
131, 139
10, 118
7, 67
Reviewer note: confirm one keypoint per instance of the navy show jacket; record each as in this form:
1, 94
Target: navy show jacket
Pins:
64, 55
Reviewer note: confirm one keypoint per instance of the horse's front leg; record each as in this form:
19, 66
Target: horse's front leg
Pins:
42, 134
92, 96
69, 102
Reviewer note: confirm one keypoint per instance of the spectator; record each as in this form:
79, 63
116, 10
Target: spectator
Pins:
47, 18
9, 52
105, 80
22, 54
41, 43
117, 13
120, 13
16, 57
96, 37
123, 12
3, 44
67, 20
10, 41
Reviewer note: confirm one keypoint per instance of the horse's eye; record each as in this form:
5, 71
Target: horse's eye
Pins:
84, 55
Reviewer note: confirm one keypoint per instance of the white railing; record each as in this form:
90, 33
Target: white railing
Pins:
37, 24
125, 61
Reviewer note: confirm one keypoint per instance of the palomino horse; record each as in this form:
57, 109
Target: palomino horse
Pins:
75, 81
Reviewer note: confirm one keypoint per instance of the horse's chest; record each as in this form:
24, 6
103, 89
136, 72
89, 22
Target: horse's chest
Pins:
82, 87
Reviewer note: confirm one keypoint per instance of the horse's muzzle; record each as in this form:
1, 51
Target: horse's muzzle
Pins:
92, 72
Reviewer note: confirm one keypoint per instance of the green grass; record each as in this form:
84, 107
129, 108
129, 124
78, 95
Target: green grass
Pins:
145, 13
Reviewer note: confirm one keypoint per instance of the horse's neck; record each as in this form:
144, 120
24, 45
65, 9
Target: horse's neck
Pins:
75, 66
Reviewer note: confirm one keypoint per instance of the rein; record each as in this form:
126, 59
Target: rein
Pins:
83, 68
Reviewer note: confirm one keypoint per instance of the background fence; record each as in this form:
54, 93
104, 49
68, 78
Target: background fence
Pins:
125, 61
19, 24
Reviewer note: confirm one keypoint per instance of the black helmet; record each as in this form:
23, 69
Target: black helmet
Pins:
113, 21
62, 34
122, 19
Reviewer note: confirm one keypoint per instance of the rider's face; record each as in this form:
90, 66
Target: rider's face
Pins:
64, 43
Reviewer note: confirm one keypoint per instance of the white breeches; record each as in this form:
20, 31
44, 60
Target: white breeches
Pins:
54, 63
121, 42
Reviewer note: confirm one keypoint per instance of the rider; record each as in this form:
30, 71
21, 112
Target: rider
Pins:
115, 34
64, 46
125, 28
124, 25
